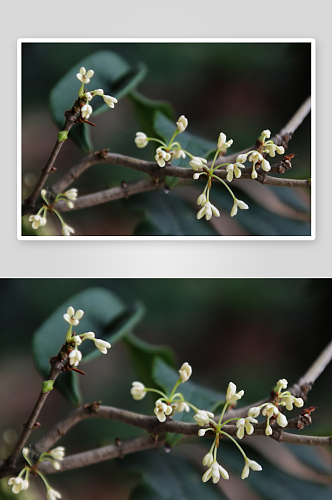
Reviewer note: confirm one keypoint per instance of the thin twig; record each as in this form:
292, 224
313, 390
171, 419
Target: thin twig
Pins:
31, 200
29, 425
280, 139
300, 389
143, 443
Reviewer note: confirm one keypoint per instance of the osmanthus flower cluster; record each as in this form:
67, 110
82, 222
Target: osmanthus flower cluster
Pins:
167, 152
40, 218
86, 96
167, 404
21, 482
271, 410
73, 341
204, 418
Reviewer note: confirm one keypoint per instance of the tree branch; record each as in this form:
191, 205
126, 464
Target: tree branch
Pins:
70, 121
56, 368
300, 389
153, 426
284, 136
157, 429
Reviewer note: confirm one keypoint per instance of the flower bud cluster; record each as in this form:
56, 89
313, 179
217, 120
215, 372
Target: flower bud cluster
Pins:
40, 218
73, 341
86, 109
21, 482
167, 404
271, 410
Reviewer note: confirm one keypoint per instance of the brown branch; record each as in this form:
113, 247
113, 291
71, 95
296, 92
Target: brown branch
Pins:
284, 135
300, 389
56, 368
31, 200
104, 453
157, 430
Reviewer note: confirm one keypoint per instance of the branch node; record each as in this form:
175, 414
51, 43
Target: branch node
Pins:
93, 407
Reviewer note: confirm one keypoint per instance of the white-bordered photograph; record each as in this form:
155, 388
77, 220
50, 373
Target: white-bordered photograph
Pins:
210, 139
165, 389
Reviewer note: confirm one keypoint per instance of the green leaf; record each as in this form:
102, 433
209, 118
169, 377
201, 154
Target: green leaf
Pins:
143, 356
271, 483
112, 73
118, 328
197, 146
145, 110
169, 477
257, 220
167, 215
104, 314
199, 396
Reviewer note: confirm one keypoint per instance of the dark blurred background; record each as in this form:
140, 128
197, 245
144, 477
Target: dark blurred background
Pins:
249, 331
237, 88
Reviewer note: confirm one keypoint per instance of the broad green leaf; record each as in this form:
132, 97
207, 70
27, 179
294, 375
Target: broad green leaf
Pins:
197, 146
257, 221
104, 314
145, 110
199, 396
271, 483
117, 329
112, 73
170, 477
143, 356
167, 215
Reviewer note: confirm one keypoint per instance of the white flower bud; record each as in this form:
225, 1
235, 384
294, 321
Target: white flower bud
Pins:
201, 200
280, 150
254, 412
102, 345
138, 390
141, 140
222, 144
266, 134
182, 124
57, 453
86, 111
67, 230
282, 420
266, 166
75, 357
110, 101
161, 157
185, 372
231, 395
52, 494
161, 410
197, 163
208, 459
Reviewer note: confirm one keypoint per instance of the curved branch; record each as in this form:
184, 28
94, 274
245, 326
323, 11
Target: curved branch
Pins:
284, 136
70, 121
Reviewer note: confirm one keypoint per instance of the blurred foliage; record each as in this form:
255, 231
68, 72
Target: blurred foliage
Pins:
199, 80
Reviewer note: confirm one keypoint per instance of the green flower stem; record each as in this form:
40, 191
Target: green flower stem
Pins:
223, 413
193, 407
69, 333
213, 161
178, 394
177, 383
224, 183
175, 144
220, 165
157, 140
43, 478
235, 442
170, 142
158, 392
81, 90
187, 153
229, 420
